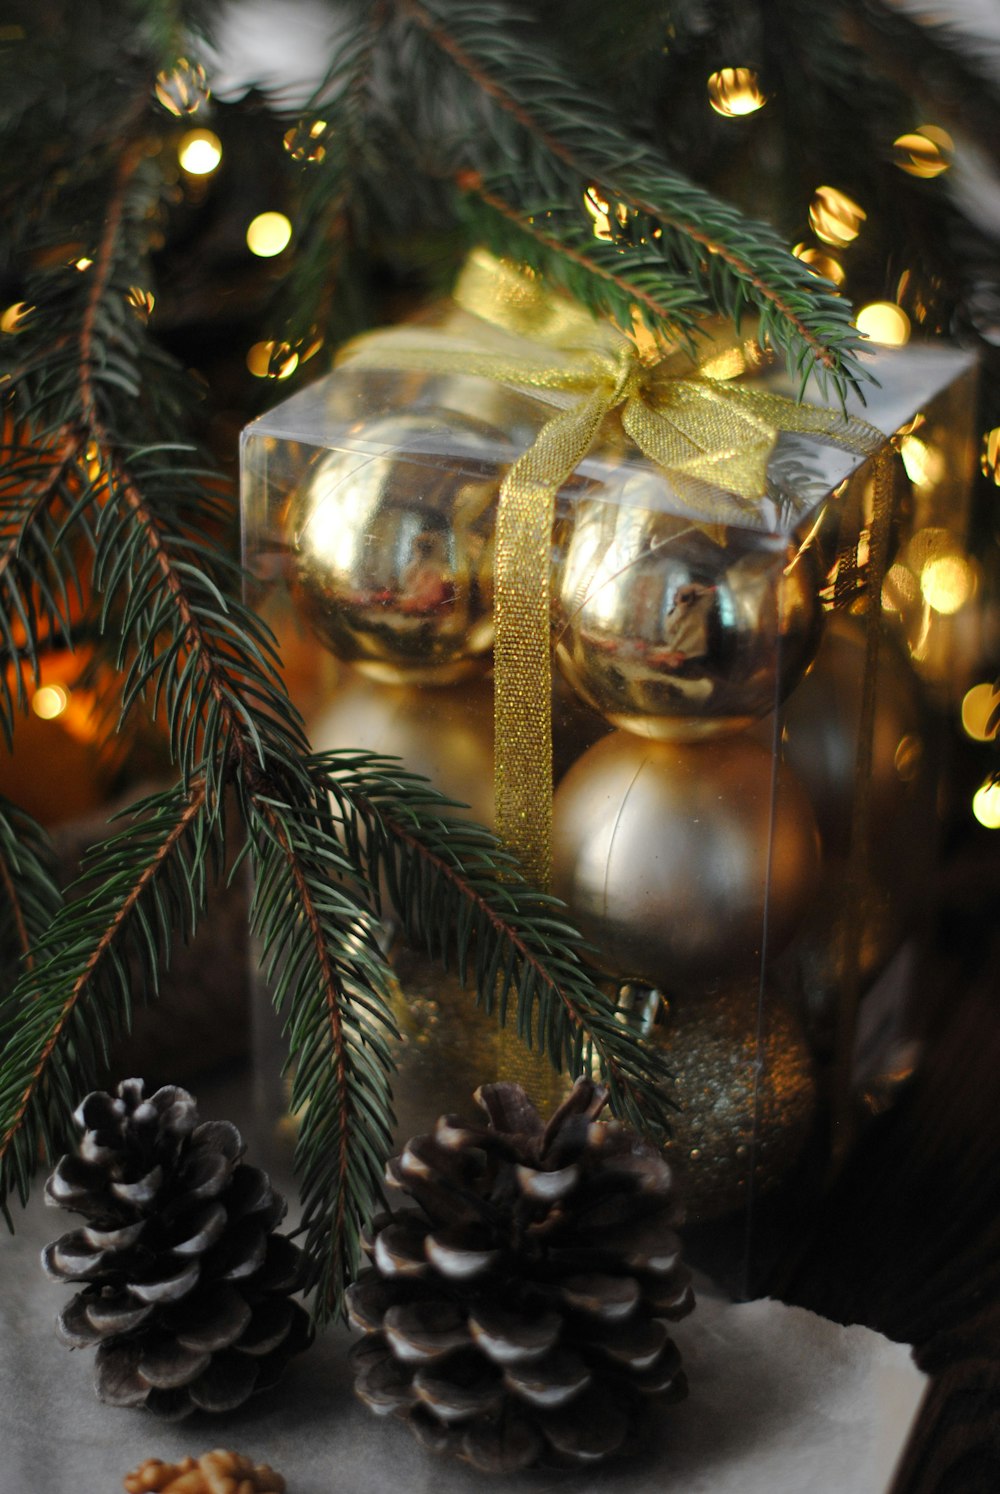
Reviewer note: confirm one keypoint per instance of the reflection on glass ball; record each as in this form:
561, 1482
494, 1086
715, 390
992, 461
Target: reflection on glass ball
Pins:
672, 635
671, 862
393, 551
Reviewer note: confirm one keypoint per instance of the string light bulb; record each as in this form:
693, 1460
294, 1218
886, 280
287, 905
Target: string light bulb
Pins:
884, 322
12, 319
820, 262
979, 704
304, 141
925, 152
990, 455
49, 701
735, 92
183, 88
268, 234
834, 217
272, 360
199, 152
986, 805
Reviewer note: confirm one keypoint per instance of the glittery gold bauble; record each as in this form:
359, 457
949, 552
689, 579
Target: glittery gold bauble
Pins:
671, 633
444, 735
447, 1045
820, 734
735, 1114
668, 859
393, 545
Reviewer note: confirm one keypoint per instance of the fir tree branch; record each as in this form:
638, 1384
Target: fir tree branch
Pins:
27, 890
441, 873
320, 949
58, 1022
561, 142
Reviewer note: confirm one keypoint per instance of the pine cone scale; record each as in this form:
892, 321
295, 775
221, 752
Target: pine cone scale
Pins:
188, 1296
515, 1312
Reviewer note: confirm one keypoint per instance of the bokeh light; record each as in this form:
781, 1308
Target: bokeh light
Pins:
990, 455
820, 262
199, 152
925, 152
885, 323
834, 217
141, 301
268, 234
986, 805
49, 701
12, 319
272, 360
978, 706
947, 583
304, 141
183, 88
735, 91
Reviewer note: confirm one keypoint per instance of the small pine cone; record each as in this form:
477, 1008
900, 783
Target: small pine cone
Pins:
188, 1286
514, 1316
216, 1472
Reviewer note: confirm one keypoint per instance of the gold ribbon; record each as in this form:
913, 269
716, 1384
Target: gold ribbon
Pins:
713, 440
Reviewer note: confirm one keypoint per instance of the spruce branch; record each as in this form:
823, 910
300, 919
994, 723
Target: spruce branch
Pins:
550, 138
462, 897
332, 985
29, 897
114, 933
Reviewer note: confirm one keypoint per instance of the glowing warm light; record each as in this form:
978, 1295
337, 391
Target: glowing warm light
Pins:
986, 805
11, 319
601, 213
978, 707
83, 263
947, 583
183, 88
990, 457
304, 141
899, 589
735, 91
199, 152
272, 360
925, 152
268, 234
141, 301
49, 701
820, 262
924, 463
884, 322
834, 217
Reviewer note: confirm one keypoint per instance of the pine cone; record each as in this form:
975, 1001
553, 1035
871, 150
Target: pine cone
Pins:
216, 1472
187, 1294
514, 1316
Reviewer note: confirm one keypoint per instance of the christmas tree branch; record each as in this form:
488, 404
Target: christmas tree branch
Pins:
57, 1023
29, 898
441, 873
557, 139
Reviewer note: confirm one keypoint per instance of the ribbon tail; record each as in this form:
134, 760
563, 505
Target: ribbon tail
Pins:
522, 658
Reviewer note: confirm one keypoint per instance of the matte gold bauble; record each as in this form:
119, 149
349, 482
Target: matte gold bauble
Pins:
742, 1106
668, 859
447, 1045
820, 735
393, 545
445, 735
671, 634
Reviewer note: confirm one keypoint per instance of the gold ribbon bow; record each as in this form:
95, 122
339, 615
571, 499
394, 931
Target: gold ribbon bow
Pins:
713, 440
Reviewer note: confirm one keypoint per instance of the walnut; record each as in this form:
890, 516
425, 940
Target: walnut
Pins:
217, 1472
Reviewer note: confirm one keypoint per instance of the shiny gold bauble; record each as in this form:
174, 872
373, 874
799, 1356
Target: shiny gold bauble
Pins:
820, 725
672, 634
744, 1104
668, 858
445, 735
392, 545
447, 1045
